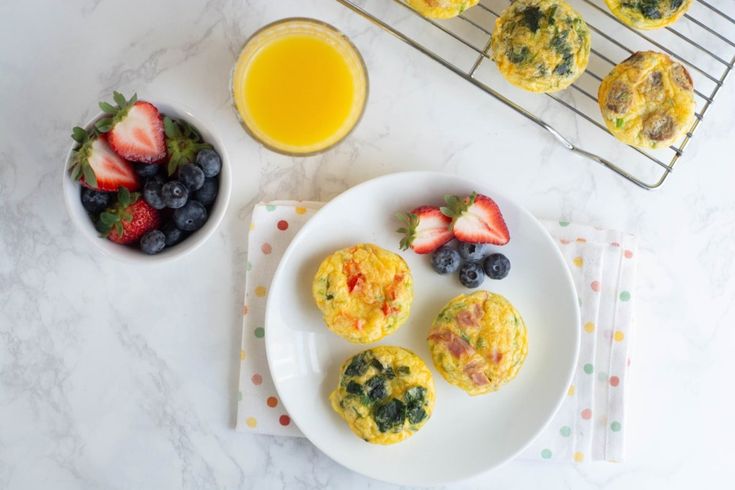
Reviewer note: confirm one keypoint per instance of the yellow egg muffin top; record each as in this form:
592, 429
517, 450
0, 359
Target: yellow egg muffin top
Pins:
541, 45
441, 9
364, 292
385, 394
647, 100
478, 342
648, 14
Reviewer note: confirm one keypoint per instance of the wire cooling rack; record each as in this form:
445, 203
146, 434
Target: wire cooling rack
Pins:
702, 40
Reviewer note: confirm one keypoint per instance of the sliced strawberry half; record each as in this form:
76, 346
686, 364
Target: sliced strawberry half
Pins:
134, 129
476, 219
96, 166
426, 229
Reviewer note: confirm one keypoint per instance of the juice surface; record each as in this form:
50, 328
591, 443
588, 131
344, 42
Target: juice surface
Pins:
298, 92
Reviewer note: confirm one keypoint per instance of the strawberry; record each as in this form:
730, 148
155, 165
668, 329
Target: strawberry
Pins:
134, 129
96, 166
476, 219
426, 229
129, 219
183, 142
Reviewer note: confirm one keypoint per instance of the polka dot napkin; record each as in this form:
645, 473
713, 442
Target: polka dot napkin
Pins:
590, 423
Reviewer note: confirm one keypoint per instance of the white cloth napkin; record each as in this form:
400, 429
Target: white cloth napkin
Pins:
590, 423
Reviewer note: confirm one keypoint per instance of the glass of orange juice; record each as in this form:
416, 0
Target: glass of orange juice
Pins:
299, 86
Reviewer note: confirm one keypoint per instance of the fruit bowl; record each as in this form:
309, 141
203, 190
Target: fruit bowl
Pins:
83, 222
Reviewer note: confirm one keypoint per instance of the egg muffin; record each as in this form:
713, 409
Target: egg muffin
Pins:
541, 45
441, 9
364, 292
478, 342
647, 101
648, 14
385, 394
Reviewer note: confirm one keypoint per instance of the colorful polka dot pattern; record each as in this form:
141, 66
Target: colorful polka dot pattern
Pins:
272, 228
586, 425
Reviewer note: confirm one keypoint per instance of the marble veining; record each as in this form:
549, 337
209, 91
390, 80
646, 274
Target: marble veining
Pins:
122, 377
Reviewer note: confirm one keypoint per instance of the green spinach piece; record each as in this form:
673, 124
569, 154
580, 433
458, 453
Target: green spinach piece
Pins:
531, 17
389, 373
376, 388
354, 388
415, 394
518, 56
389, 415
404, 370
359, 364
377, 364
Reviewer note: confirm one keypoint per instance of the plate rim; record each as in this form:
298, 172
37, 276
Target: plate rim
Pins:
569, 280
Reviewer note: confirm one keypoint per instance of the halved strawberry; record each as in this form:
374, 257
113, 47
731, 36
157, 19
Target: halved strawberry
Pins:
129, 219
134, 129
476, 219
96, 166
426, 229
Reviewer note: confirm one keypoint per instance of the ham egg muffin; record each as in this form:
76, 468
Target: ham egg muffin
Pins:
541, 45
648, 14
441, 9
364, 292
647, 100
385, 394
478, 342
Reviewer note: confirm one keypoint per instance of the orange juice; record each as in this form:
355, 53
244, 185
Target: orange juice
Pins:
299, 86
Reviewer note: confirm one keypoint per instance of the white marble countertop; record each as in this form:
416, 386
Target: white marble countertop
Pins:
113, 376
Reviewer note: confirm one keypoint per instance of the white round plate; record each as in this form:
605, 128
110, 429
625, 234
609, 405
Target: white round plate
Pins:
466, 435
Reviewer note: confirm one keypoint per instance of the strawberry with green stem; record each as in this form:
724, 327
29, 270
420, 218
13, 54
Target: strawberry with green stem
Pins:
476, 219
183, 142
426, 229
96, 166
129, 219
134, 129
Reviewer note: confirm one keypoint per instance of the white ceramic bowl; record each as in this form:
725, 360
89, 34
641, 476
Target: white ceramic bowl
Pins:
85, 225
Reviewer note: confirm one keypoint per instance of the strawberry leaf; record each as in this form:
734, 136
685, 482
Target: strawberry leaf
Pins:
104, 125
79, 135
107, 108
119, 99
89, 177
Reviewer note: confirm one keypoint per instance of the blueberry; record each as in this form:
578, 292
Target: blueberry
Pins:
497, 266
175, 194
474, 252
146, 169
445, 260
173, 235
153, 242
152, 192
471, 274
210, 162
208, 193
95, 201
190, 217
191, 176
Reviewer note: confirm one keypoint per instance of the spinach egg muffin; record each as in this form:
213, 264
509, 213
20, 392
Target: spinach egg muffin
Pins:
647, 101
364, 292
478, 342
441, 9
385, 394
648, 14
541, 45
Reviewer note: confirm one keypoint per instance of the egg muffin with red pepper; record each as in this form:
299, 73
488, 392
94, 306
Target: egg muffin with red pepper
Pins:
441, 9
541, 45
648, 14
385, 394
364, 292
647, 100
478, 342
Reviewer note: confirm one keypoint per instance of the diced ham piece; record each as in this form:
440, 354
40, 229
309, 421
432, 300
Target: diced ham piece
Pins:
470, 318
455, 344
475, 370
